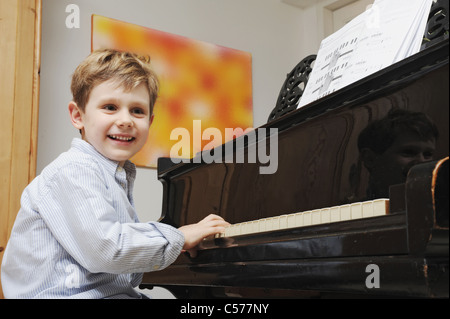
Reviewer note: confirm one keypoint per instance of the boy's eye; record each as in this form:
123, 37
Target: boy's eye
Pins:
408, 152
138, 110
110, 107
428, 154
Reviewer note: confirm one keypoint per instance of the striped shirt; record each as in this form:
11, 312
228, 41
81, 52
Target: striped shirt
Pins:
77, 234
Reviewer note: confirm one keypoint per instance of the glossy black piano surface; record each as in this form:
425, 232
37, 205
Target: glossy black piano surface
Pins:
320, 165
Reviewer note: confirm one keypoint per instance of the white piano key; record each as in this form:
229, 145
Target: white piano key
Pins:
315, 217
245, 228
307, 218
236, 230
325, 216
380, 207
291, 221
283, 222
356, 210
335, 214
255, 226
227, 233
299, 219
263, 225
269, 224
367, 209
345, 212
272, 223
249, 227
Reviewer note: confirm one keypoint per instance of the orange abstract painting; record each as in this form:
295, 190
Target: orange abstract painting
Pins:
199, 81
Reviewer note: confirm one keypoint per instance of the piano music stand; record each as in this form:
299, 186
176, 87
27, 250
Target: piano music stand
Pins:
293, 87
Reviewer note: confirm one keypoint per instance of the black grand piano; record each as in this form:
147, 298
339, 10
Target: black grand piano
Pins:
326, 162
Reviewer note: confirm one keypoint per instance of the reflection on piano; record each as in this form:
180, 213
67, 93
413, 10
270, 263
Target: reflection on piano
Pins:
310, 229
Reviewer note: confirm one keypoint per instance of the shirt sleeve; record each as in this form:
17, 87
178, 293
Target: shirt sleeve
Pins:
80, 212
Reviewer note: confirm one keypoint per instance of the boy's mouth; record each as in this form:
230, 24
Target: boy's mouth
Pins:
121, 138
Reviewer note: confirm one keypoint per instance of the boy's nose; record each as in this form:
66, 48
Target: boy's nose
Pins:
124, 120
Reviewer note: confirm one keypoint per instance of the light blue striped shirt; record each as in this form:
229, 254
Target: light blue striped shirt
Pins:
77, 234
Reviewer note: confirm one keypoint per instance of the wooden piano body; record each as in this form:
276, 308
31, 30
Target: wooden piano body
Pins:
401, 254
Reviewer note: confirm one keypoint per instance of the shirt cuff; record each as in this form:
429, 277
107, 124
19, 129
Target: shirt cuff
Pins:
175, 239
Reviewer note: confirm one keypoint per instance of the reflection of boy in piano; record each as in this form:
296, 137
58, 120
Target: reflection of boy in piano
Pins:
389, 147
77, 233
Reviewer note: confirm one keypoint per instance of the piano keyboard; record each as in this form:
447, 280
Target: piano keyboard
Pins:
314, 217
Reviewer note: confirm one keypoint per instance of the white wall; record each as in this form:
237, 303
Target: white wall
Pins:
270, 30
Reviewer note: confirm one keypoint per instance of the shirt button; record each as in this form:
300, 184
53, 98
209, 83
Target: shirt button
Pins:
119, 168
156, 267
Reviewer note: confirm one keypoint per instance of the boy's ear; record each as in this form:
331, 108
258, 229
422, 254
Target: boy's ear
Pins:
75, 115
151, 118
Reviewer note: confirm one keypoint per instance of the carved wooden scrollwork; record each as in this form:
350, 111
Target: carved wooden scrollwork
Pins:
437, 26
293, 87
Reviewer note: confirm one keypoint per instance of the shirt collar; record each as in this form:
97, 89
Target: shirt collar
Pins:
111, 166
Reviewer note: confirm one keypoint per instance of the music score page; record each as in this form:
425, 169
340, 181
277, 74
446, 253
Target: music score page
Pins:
386, 33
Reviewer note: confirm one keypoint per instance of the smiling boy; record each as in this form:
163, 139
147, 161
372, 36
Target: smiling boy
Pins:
77, 234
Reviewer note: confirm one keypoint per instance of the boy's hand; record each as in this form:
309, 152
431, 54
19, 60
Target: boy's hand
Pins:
195, 233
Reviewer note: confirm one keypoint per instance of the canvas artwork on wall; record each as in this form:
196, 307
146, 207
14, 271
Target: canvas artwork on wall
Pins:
199, 82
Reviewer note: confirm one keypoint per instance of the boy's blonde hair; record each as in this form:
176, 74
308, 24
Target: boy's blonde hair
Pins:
130, 70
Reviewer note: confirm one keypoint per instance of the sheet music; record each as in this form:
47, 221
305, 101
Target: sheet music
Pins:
388, 32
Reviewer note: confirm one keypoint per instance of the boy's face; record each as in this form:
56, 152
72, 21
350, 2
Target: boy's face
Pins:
115, 122
392, 167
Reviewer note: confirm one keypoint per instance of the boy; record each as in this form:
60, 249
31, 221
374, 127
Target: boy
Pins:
77, 234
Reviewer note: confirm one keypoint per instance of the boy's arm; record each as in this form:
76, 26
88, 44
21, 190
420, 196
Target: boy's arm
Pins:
80, 214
